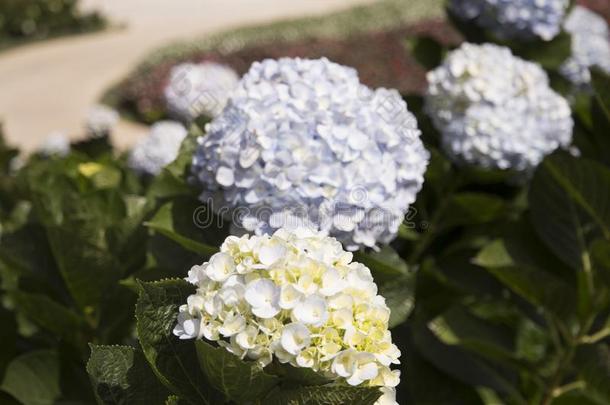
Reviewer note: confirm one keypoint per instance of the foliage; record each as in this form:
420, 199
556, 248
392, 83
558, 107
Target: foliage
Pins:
22, 20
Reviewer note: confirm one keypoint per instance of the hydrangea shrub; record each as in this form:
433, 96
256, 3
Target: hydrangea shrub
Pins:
297, 298
302, 142
514, 19
199, 89
496, 110
590, 46
159, 148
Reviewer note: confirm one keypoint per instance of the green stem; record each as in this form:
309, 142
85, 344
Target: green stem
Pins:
554, 387
596, 337
555, 382
568, 387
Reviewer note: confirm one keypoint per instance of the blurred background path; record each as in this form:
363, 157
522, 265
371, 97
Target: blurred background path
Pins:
49, 86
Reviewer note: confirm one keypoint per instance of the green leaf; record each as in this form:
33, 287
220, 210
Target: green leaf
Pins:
490, 340
51, 316
106, 177
494, 255
185, 156
121, 375
549, 54
462, 365
593, 364
601, 89
82, 256
93, 147
33, 378
332, 394
407, 233
116, 314
171, 181
600, 257
426, 384
395, 281
427, 51
296, 375
385, 264
468, 208
399, 295
238, 380
570, 206
8, 337
537, 286
175, 221
174, 361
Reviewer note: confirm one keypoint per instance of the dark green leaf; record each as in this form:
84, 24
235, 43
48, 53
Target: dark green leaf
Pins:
570, 205
395, 281
33, 378
121, 375
549, 54
176, 221
461, 364
427, 51
472, 208
423, 383
296, 375
575, 397
332, 394
601, 89
8, 337
51, 316
600, 257
84, 261
174, 361
238, 380
384, 264
537, 286
400, 297
593, 363
93, 147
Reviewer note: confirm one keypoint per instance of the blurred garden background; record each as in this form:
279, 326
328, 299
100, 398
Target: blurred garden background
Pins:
59, 80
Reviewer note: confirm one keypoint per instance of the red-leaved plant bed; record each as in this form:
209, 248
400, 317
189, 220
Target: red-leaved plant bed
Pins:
382, 59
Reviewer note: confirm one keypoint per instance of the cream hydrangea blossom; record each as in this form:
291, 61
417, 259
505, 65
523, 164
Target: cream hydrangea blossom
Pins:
159, 148
199, 89
496, 110
522, 19
296, 297
303, 143
590, 46
101, 120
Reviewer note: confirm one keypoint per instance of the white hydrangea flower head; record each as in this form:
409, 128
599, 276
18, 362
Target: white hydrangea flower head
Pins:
520, 19
590, 46
298, 298
199, 89
55, 144
159, 148
101, 120
495, 110
303, 143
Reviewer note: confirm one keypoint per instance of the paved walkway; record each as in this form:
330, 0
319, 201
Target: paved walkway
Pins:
49, 86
